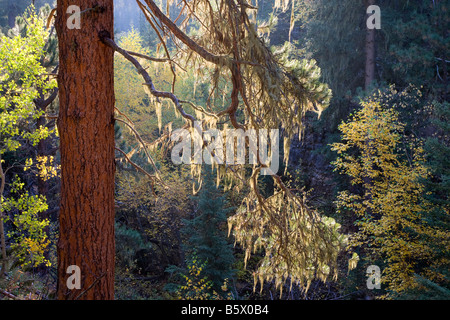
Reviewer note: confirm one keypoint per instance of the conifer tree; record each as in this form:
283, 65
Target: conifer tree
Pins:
270, 89
334, 35
414, 45
438, 150
207, 234
86, 130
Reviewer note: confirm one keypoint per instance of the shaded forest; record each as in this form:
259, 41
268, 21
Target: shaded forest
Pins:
358, 208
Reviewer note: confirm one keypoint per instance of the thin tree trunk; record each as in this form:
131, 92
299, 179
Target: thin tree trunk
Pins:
445, 69
369, 78
86, 129
2, 230
370, 52
12, 7
42, 151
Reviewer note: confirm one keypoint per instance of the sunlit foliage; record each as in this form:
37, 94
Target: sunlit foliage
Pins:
21, 81
390, 207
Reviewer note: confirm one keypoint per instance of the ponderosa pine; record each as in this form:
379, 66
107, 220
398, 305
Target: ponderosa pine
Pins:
86, 129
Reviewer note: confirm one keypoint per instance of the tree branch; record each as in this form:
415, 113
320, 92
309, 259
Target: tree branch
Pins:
208, 56
9, 295
148, 80
137, 167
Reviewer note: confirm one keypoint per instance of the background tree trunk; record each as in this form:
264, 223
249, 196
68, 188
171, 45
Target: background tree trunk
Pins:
86, 129
12, 8
370, 51
4, 263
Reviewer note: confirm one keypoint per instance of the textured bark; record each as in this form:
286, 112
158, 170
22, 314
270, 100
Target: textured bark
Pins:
86, 129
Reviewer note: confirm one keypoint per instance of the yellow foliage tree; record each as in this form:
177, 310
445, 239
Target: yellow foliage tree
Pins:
196, 285
390, 206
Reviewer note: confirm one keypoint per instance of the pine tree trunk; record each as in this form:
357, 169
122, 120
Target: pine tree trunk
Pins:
86, 129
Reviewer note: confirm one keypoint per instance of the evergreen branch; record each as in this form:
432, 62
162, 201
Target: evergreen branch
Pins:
148, 80
205, 54
158, 94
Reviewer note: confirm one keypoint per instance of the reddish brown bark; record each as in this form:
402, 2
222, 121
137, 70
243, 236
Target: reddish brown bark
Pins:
86, 129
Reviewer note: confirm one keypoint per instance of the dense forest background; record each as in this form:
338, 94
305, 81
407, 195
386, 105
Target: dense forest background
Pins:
376, 160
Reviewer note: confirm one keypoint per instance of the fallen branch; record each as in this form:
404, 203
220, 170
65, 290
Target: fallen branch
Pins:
9, 295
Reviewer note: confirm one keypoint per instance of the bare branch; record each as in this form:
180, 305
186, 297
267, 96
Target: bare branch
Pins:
9, 295
143, 56
146, 14
138, 136
90, 287
148, 80
136, 166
